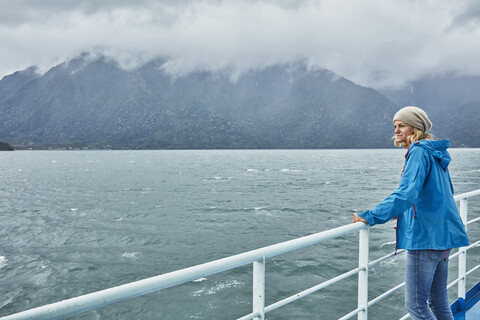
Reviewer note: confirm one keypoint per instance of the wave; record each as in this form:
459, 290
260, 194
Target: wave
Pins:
217, 287
244, 209
8, 300
130, 255
218, 178
387, 244
257, 170
3, 262
141, 190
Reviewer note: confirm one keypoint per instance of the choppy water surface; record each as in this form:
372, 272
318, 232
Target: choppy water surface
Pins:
74, 222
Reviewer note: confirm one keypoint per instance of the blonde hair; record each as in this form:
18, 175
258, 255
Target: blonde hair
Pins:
415, 136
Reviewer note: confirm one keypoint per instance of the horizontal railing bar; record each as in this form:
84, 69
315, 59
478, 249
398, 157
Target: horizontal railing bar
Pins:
473, 245
351, 314
452, 256
467, 195
473, 220
386, 257
304, 293
454, 282
405, 317
134, 289
250, 316
386, 294
476, 244
472, 270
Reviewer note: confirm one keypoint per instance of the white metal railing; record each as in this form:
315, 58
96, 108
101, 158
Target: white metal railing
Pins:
257, 258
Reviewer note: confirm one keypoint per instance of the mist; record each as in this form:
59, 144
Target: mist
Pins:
373, 43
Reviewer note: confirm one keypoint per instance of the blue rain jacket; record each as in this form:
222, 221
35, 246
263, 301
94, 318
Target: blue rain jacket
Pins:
427, 214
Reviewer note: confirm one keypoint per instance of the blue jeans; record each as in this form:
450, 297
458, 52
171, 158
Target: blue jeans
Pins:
426, 285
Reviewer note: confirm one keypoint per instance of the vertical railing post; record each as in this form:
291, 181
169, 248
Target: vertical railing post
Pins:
363, 253
462, 257
259, 288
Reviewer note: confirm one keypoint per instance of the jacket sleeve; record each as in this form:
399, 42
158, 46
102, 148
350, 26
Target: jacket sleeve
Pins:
403, 198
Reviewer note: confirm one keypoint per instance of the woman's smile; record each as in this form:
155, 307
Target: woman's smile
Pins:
402, 131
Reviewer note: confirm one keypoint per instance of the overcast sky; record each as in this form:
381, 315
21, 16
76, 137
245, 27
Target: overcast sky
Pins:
373, 42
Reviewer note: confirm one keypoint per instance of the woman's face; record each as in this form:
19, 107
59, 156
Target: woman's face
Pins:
402, 131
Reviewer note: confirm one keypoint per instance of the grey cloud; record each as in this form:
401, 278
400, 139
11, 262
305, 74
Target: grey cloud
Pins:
469, 14
375, 42
24, 11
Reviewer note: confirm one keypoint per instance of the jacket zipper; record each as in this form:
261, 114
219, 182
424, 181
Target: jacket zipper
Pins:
414, 209
396, 238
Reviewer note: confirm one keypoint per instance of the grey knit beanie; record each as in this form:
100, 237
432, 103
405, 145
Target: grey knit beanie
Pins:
415, 117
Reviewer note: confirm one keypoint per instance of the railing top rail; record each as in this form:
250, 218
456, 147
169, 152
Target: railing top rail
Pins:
130, 290
467, 195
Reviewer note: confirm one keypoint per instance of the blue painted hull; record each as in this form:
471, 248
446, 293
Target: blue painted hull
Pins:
468, 309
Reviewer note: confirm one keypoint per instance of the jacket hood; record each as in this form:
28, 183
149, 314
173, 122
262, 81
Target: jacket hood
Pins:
438, 149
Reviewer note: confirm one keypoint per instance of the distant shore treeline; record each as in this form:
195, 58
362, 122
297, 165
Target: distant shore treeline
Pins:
5, 147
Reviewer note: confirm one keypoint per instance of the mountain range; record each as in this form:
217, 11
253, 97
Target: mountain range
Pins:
92, 102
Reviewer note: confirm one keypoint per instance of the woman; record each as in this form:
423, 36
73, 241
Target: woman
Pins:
428, 223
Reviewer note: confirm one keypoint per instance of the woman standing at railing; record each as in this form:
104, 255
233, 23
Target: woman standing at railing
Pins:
428, 222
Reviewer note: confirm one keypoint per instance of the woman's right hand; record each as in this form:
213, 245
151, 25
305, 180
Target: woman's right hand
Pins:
357, 218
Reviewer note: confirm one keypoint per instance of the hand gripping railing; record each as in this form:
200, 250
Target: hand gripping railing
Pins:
257, 258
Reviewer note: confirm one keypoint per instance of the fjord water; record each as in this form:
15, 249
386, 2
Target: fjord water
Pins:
74, 222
